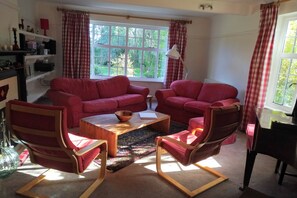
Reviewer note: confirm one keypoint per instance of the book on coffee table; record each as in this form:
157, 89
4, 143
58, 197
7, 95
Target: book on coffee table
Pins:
145, 115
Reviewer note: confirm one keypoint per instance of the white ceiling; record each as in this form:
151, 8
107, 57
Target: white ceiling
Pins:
170, 8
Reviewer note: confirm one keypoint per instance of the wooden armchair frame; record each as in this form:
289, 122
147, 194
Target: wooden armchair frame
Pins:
57, 133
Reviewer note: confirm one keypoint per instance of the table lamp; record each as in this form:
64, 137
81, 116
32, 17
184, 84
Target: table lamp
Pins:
174, 54
44, 25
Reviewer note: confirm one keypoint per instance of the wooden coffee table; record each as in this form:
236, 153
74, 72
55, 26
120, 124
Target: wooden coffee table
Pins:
108, 127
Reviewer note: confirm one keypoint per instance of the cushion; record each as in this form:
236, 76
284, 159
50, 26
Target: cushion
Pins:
198, 107
88, 157
100, 105
186, 88
129, 99
112, 87
86, 89
212, 92
177, 151
177, 102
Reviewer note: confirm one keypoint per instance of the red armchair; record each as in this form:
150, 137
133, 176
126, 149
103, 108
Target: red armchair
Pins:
190, 147
43, 130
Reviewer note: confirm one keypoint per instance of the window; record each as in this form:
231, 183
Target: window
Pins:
283, 78
135, 51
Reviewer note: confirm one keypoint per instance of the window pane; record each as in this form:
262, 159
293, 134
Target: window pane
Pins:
135, 37
118, 35
163, 39
290, 43
282, 80
117, 49
117, 60
151, 38
149, 63
290, 91
101, 61
162, 61
101, 34
134, 63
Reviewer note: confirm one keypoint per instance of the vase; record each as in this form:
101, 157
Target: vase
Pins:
9, 161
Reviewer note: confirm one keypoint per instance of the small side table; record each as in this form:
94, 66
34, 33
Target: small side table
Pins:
149, 99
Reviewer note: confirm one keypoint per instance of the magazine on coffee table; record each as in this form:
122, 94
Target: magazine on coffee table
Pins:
145, 115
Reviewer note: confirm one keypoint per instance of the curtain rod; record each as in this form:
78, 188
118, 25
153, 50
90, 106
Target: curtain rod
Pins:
127, 16
281, 1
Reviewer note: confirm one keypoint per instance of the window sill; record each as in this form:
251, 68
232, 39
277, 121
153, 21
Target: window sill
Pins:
131, 79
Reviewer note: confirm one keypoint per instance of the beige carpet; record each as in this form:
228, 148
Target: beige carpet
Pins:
140, 179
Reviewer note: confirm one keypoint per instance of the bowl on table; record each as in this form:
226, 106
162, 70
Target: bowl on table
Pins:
124, 115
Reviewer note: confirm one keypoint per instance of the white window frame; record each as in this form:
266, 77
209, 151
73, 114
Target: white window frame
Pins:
127, 48
279, 42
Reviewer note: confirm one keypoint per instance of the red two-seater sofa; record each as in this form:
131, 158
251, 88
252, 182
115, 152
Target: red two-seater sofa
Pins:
186, 99
85, 97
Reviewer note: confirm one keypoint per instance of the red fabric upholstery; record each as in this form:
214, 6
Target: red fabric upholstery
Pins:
128, 99
198, 107
186, 88
213, 92
51, 146
84, 88
187, 99
177, 102
219, 123
198, 123
83, 97
112, 87
99, 105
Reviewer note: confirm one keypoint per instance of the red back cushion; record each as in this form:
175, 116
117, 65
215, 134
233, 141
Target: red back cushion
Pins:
115, 86
212, 92
84, 88
40, 122
186, 88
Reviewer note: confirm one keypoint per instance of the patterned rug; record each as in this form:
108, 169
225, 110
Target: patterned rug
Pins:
137, 144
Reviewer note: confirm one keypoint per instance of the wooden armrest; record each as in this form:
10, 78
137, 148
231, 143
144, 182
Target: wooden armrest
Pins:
182, 144
91, 146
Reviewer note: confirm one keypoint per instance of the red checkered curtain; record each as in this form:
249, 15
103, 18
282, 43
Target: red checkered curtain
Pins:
76, 44
260, 63
178, 36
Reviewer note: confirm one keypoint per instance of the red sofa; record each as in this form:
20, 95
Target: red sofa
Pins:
85, 97
186, 99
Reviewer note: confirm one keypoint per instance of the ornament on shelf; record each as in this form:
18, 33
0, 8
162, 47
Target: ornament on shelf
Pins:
15, 46
21, 25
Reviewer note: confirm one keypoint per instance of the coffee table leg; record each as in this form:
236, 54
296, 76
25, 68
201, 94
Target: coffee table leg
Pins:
162, 126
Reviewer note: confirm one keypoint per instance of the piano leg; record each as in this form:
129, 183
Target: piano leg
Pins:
249, 165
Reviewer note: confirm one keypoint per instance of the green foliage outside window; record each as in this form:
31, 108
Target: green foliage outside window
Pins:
287, 78
131, 51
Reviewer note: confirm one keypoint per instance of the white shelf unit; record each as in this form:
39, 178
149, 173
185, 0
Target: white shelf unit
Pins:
38, 75
37, 82
35, 35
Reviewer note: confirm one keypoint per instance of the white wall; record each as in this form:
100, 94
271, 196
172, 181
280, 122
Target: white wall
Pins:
9, 19
231, 46
232, 43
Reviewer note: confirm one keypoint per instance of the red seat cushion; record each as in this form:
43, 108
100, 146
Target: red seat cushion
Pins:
180, 153
129, 99
198, 107
177, 102
81, 142
100, 105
